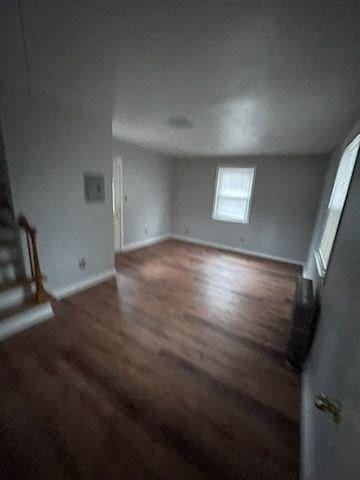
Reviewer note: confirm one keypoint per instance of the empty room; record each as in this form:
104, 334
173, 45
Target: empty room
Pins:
179, 240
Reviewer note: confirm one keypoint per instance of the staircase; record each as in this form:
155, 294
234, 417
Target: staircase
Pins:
23, 299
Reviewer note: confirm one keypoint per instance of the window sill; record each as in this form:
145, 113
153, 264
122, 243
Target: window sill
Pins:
319, 265
228, 219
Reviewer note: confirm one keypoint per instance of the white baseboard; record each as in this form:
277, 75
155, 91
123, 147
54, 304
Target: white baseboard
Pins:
83, 284
25, 320
220, 246
144, 243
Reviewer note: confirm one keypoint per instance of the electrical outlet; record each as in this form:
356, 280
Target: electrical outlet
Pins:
82, 263
186, 230
241, 239
146, 231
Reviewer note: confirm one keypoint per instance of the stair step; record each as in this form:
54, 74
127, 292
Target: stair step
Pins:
19, 282
8, 233
6, 211
12, 227
7, 217
23, 317
8, 249
6, 208
7, 223
9, 262
14, 310
8, 241
15, 292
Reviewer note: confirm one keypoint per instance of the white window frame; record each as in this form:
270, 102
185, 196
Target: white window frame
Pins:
321, 265
224, 218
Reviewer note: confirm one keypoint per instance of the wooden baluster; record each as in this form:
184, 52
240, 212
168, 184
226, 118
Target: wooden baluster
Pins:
41, 294
31, 261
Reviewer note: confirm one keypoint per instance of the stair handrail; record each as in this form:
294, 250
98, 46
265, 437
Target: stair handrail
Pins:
41, 295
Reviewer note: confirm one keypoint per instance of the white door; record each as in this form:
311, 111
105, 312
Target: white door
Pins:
117, 203
332, 450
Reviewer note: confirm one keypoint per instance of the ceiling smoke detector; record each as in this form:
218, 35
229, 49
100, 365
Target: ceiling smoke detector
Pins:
181, 122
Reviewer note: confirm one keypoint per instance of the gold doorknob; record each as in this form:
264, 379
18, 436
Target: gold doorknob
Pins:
325, 404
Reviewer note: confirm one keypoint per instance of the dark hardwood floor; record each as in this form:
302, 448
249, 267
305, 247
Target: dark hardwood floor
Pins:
174, 371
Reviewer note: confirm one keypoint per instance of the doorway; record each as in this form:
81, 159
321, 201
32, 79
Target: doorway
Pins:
117, 186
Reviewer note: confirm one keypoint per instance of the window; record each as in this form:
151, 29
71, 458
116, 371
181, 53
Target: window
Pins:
336, 205
233, 194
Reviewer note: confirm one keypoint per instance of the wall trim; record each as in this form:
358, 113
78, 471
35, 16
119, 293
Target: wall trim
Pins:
83, 284
144, 243
221, 246
25, 320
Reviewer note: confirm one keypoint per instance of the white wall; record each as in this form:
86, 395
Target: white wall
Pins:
56, 115
333, 366
286, 196
147, 182
48, 148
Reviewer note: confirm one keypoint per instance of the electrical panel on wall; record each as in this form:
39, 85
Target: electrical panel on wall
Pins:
94, 187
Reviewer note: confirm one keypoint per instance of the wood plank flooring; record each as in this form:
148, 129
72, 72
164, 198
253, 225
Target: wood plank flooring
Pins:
173, 371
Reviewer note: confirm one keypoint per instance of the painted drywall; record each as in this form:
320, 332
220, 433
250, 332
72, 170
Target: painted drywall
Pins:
53, 133
49, 147
329, 451
147, 182
285, 202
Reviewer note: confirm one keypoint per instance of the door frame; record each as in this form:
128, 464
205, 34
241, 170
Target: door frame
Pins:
117, 202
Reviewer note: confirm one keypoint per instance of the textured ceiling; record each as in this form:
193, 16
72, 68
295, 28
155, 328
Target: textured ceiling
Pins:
235, 77
254, 77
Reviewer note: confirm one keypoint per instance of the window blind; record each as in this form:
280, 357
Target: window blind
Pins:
233, 194
337, 203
